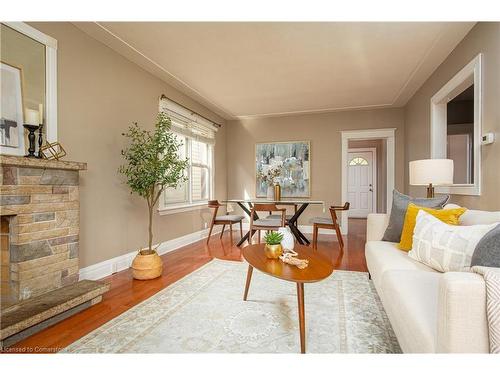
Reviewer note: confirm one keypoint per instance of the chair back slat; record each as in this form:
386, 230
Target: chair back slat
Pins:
334, 209
213, 204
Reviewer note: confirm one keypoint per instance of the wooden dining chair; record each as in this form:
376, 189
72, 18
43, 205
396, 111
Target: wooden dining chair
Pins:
329, 223
223, 220
287, 216
265, 224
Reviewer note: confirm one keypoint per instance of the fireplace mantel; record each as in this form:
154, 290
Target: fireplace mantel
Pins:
21, 161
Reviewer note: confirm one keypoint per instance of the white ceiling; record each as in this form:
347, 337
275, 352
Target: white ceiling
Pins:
260, 69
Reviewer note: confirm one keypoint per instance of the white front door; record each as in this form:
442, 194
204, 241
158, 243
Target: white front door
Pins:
360, 183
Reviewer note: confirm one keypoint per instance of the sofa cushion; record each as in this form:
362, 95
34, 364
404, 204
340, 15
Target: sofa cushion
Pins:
473, 217
445, 247
411, 302
398, 211
233, 218
449, 216
382, 256
487, 251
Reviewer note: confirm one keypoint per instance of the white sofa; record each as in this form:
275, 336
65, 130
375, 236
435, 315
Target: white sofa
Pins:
430, 312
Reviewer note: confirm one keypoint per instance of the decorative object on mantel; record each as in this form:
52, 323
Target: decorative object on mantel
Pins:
52, 151
40, 142
152, 165
40, 132
273, 248
31, 138
289, 257
293, 161
12, 116
34, 122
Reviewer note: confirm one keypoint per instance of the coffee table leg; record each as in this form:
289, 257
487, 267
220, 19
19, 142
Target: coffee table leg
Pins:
249, 278
302, 323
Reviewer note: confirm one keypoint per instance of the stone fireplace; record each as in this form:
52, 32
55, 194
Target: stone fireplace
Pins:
40, 206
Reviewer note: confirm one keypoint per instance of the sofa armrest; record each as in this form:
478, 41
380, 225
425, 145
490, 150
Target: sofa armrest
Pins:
462, 321
375, 226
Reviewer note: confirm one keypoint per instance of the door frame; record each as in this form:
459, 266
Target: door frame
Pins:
389, 135
373, 150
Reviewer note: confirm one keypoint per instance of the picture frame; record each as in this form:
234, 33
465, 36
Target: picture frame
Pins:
295, 158
11, 110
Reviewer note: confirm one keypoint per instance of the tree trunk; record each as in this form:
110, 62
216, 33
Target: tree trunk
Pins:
150, 242
152, 199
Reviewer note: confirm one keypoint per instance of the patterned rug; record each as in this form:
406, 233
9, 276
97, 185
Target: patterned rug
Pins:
205, 313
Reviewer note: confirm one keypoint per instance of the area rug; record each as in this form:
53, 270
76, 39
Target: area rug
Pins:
205, 313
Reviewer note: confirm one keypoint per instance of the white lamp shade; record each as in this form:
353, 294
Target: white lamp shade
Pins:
431, 171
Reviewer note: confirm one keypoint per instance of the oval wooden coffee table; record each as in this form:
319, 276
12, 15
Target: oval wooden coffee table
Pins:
318, 269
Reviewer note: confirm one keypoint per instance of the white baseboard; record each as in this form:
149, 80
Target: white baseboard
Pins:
108, 267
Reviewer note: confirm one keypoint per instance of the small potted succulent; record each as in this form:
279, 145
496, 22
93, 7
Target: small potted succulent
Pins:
273, 248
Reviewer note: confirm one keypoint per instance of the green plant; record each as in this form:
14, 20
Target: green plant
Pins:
153, 163
273, 238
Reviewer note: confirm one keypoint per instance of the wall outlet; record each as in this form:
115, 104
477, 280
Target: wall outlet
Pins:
205, 225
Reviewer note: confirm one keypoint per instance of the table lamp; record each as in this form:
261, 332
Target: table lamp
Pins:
430, 173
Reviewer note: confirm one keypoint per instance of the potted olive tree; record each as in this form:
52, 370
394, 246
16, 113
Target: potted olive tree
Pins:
152, 164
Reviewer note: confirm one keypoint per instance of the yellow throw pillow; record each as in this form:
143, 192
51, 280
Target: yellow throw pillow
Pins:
449, 216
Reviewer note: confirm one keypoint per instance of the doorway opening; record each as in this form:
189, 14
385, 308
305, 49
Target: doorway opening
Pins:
368, 163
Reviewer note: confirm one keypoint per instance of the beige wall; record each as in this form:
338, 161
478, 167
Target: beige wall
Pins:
99, 94
483, 38
381, 157
323, 130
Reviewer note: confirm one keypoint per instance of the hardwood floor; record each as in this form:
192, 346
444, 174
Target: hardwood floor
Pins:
126, 292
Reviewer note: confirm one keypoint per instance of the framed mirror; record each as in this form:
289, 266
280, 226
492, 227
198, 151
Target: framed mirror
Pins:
456, 128
28, 93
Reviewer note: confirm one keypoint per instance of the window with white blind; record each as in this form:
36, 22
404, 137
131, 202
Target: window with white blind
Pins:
197, 136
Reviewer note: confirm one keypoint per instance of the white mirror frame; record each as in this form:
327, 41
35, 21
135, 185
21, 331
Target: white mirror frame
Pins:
50, 74
463, 79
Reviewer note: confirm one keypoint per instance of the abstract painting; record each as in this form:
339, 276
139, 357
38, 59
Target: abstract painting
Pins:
292, 159
11, 110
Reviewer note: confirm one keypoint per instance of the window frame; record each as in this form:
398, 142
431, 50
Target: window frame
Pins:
190, 204
438, 139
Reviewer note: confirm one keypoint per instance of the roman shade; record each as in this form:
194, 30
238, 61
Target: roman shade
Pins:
187, 122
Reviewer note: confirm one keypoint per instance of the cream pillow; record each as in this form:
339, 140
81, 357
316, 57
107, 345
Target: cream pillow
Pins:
445, 247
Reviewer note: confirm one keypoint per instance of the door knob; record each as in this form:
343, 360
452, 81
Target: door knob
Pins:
371, 189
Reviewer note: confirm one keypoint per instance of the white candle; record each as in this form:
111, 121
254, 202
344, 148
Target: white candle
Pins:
31, 117
40, 113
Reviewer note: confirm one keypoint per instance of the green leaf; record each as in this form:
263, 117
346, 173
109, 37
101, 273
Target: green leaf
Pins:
273, 238
152, 163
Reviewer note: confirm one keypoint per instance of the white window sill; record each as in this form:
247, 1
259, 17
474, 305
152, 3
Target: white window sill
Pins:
175, 209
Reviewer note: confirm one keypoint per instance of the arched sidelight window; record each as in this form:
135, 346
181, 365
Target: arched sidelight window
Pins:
358, 161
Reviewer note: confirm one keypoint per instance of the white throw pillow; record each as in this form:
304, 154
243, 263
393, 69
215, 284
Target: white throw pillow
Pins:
445, 247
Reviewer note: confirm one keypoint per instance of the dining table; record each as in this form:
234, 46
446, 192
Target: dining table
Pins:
299, 204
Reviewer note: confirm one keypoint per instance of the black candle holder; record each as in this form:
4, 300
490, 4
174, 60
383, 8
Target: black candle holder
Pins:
31, 138
40, 142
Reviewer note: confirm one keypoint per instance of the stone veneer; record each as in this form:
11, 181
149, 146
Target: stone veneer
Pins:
40, 199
